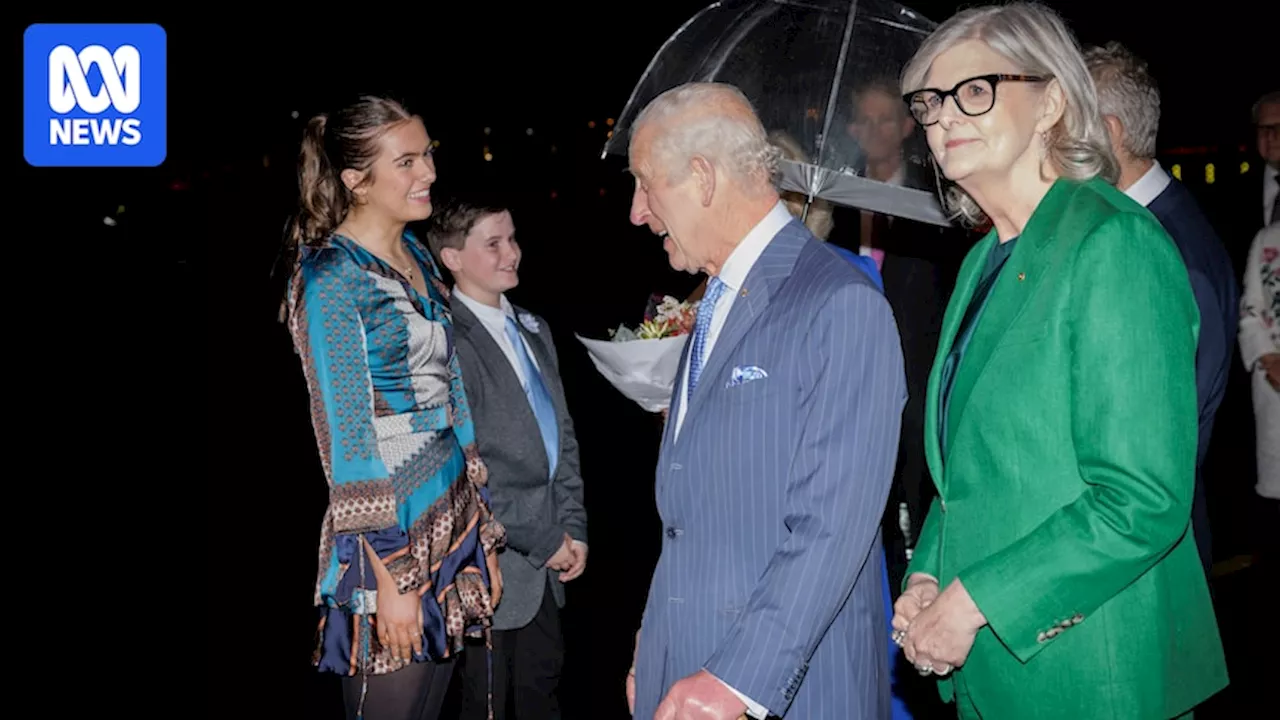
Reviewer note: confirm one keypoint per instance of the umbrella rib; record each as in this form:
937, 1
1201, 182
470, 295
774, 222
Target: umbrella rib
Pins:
835, 91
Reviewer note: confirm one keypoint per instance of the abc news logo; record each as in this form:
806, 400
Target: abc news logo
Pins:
69, 89
94, 95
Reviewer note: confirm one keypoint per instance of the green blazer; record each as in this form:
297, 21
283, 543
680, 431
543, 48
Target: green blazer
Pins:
1064, 496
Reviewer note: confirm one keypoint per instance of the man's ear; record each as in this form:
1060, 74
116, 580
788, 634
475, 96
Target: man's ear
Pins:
908, 127
452, 259
704, 174
1115, 128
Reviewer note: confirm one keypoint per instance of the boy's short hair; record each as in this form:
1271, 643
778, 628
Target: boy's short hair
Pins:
451, 223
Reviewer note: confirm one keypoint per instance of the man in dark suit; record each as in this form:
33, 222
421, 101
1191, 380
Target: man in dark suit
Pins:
1130, 104
525, 436
918, 263
1253, 201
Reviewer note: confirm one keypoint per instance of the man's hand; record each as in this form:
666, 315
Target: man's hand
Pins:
701, 696
1270, 363
579, 563
563, 559
631, 677
941, 636
921, 591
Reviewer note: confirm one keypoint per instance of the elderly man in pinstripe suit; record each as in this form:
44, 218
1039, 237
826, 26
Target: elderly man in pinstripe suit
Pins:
780, 445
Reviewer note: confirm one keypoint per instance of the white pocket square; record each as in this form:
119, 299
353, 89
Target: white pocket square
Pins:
743, 375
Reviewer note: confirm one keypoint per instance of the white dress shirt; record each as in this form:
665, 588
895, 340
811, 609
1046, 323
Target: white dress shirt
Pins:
495, 321
733, 274
1150, 185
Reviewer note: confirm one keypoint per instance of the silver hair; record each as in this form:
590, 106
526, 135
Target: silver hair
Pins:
1035, 39
1268, 99
734, 142
1127, 91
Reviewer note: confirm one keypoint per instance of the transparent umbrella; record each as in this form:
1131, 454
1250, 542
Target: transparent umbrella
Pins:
823, 76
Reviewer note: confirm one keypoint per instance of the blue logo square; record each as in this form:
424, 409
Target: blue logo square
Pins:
94, 95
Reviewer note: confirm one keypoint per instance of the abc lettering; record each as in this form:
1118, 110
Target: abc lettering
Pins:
69, 90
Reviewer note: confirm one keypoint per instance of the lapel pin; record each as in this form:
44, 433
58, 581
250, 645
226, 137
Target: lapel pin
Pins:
744, 292
1022, 276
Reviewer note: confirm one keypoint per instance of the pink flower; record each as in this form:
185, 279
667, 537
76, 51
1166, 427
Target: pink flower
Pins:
1269, 254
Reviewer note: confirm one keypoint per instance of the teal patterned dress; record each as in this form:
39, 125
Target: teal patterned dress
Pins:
398, 449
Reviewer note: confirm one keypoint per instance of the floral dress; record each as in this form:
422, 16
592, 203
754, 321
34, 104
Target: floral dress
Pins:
1259, 336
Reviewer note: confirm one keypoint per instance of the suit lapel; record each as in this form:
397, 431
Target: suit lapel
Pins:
542, 355
1017, 282
669, 428
966, 282
495, 362
771, 269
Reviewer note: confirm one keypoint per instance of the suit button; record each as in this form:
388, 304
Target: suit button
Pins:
673, 532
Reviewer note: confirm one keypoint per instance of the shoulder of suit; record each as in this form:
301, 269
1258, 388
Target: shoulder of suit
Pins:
1095, 206
824, 271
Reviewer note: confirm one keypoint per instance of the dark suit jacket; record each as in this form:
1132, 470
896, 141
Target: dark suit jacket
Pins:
535, 512
1213, 281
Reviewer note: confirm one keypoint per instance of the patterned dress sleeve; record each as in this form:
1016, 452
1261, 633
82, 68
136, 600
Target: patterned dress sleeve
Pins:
329, 333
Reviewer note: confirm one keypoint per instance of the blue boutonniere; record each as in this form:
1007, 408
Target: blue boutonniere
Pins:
529, 322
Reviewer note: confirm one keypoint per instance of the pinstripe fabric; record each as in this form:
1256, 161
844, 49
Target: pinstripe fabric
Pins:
770, 574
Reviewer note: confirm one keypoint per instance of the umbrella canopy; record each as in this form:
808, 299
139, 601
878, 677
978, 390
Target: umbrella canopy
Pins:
823, 77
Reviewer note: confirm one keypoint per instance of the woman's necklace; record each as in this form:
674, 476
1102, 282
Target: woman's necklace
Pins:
406, 270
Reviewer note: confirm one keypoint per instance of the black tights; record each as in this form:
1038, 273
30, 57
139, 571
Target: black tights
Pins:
415, 693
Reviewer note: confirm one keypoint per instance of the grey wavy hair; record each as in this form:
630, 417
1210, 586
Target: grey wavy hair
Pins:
734, 142
1127, 91
1037, 41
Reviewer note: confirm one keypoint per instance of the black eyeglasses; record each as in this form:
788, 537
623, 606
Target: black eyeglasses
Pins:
974, 96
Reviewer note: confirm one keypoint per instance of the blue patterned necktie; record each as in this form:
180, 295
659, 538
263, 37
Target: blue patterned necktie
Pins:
701, 327
539, 399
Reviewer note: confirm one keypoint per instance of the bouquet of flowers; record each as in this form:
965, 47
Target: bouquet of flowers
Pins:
642, 363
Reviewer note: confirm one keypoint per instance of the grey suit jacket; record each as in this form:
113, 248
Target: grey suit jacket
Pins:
536, 512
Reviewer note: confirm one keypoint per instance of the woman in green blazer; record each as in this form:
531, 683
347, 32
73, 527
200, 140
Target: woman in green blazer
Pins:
1061, 411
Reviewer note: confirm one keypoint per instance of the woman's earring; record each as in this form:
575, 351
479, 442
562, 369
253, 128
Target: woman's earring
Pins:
1044, 154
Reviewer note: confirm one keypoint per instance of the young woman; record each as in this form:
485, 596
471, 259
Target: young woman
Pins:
407, 563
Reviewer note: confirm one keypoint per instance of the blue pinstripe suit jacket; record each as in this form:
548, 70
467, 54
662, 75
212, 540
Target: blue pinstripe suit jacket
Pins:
771, 573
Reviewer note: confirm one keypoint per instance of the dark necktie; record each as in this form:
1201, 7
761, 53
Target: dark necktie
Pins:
1275, 202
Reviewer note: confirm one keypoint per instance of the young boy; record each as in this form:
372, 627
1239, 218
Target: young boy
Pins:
525, 436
